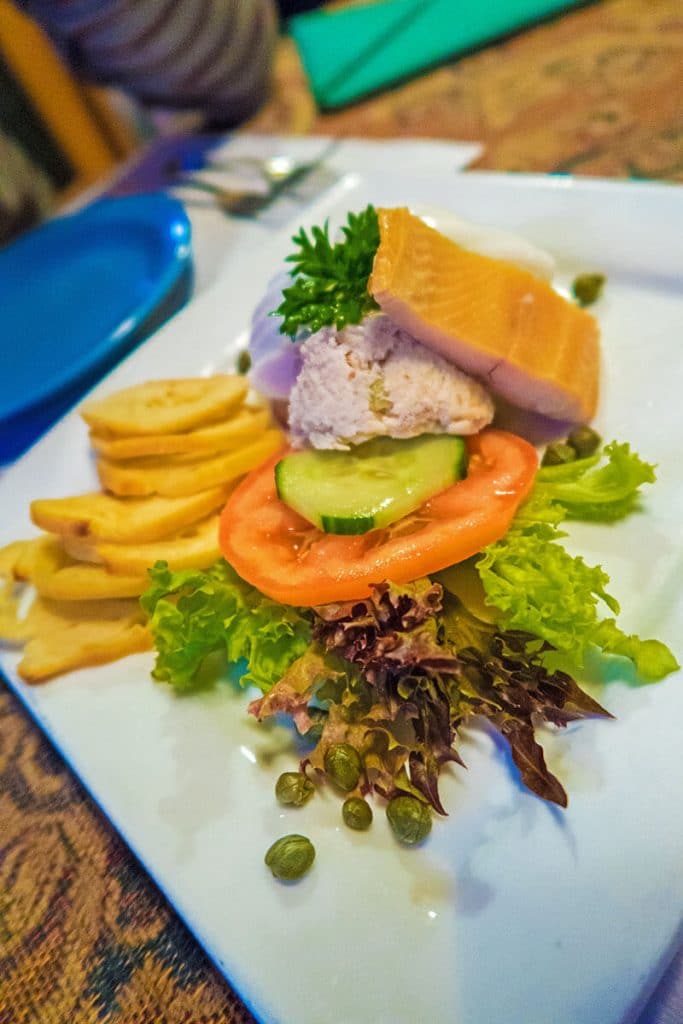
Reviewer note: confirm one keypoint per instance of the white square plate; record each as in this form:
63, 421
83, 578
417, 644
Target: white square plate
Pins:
514, 912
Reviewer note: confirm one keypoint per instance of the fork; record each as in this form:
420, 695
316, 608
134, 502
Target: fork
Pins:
280, 173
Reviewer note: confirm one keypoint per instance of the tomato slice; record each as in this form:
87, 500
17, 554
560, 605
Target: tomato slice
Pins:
291, 561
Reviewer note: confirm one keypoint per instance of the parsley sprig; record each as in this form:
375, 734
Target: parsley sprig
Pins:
331, 280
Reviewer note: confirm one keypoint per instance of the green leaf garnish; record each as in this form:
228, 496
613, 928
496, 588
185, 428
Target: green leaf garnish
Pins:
595, 489
540, 588
197, 613
331, 280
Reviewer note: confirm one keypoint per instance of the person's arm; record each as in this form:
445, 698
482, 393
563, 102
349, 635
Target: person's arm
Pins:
213, 55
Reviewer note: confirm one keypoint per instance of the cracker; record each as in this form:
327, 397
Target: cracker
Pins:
85, 549
40, 555
76, 634
166, 406
78, 582
10, 555
57, 575
196, 547
160, 476
123, 521
13, 629
216, 438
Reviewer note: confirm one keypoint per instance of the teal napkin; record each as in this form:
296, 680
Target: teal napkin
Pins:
351, 52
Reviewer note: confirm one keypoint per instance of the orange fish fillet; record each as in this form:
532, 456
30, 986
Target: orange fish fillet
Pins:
489, 317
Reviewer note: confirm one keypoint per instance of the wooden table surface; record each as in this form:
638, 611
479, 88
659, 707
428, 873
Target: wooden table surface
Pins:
598, 91
85, 937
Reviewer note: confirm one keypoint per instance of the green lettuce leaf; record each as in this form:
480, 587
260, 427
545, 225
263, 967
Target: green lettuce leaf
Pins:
653, 659
595, 489
195, 614
540, 588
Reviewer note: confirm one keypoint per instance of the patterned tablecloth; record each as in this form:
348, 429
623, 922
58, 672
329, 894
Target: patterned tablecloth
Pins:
85, 937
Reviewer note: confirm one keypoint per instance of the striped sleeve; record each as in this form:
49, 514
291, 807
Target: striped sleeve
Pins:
213, 55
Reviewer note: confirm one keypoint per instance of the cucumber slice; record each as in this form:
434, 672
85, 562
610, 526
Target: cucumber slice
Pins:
371, 486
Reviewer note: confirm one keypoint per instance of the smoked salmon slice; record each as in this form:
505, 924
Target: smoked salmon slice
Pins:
489, 317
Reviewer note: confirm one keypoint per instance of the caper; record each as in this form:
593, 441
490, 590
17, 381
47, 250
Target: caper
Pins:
587, 288
243, 362
410, 819
357, 813
584, 440
343, 765
290, 857
294, 788
558, 453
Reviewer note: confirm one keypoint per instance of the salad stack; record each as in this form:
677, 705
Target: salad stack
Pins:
397, 570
